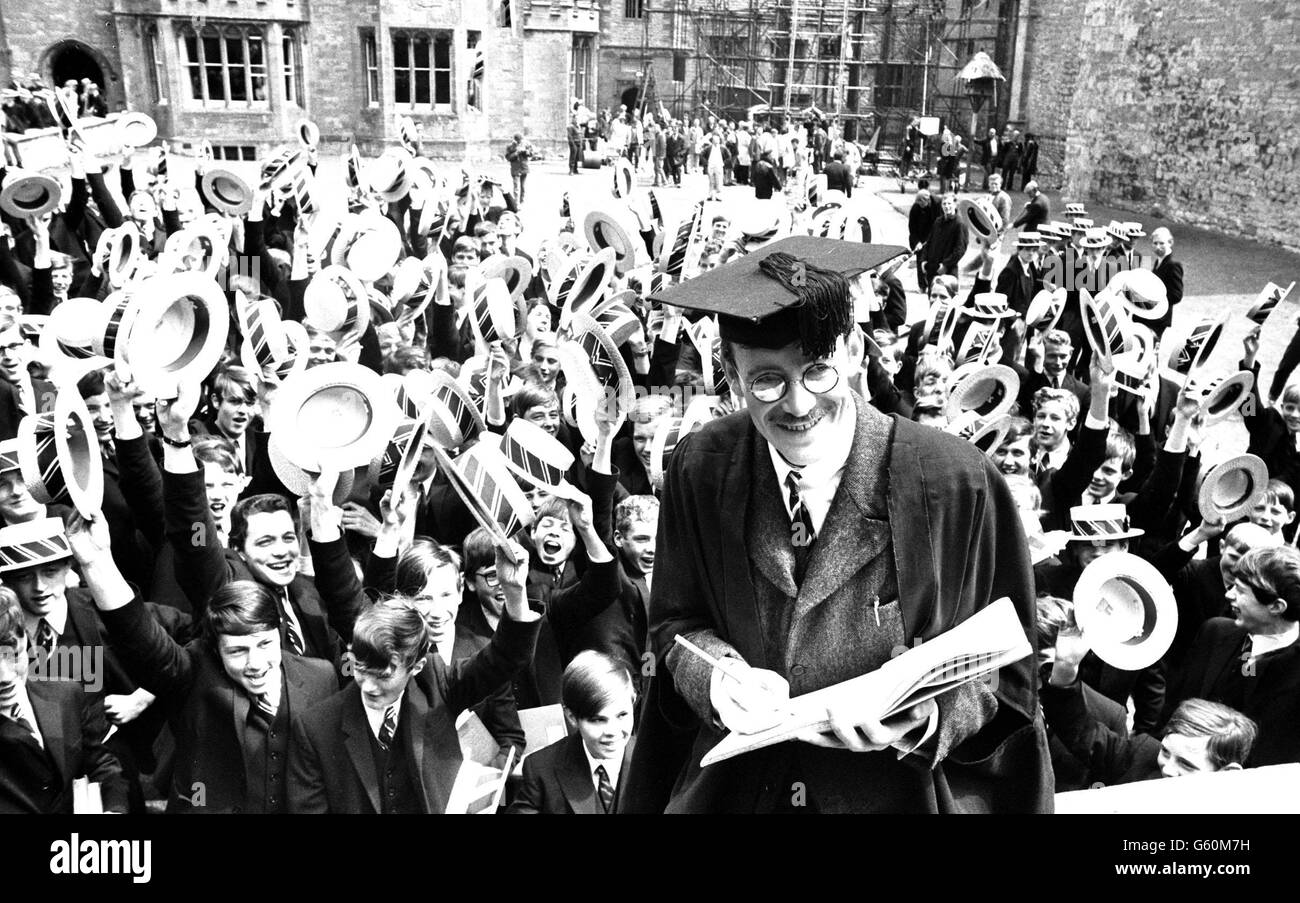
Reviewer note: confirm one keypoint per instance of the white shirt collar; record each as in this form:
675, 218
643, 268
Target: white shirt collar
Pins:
819, 480
57, 618
1261, 643
612, 767
375, 718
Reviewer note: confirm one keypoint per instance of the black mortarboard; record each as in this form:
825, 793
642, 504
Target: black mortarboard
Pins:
801, 294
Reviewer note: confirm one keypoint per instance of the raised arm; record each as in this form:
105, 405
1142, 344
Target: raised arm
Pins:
153, 659
201, 567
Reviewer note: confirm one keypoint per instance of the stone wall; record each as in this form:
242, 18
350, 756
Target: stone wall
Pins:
1185, 109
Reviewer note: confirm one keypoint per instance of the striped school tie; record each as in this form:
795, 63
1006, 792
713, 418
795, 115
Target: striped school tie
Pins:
604, 789
388, 729
800, 518
17, 717
291, 635
45, 643
262, 712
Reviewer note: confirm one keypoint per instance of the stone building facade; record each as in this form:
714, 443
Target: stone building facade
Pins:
1186, 109
244, 73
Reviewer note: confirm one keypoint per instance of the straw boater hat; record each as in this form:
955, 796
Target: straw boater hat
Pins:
941, 322
1045, 309
603, 229
981, 219
179, 331
1143, 292
1134, 230
1028, 241
492, 313
624, 178
136, 129
34, 543
989, 306
1225, 394
389, 176
973, 386
455, 420
490, 479
980, 344
415, 284
588, 287
1106, 324
1269, 298
1053, 231
618, 320
1133, 370
196, 240
990, 434
308, 133
516, 271
27, 194
65, 464
1232, 489
1075, 211
396, 467
1080, 226
337, 415
297, 480
1126, 611
336, 303
672, 259
111, 341
1094, 238
1101, 523
368, 243
120, 251
266, 344
1117, 230
596, 373
71, 331
1194, 350
226, 191
538, 458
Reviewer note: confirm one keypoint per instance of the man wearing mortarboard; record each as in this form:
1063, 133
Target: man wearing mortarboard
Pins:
807, 539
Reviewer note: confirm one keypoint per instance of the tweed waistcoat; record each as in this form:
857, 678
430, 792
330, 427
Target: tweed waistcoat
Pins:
842, 619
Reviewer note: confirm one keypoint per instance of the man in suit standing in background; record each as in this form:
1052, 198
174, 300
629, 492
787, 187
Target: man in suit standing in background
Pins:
1170, 272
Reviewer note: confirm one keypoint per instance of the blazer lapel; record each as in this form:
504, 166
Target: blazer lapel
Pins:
1224, 655
575, 780
49, 721
853, 533
738, 605
357, 742
417, 709
769, 533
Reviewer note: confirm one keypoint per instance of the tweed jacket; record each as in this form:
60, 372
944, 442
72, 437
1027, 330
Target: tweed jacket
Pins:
944, 521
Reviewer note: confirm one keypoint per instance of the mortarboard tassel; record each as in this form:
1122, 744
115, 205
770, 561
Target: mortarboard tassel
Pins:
823, 303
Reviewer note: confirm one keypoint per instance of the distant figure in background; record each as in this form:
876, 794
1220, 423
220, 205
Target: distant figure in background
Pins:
1036, 211
989, 147
575, 145
1011, 160
838, 176
1170, 272
519, 152
1029, 165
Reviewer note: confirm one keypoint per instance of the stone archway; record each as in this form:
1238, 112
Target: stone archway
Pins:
70, 58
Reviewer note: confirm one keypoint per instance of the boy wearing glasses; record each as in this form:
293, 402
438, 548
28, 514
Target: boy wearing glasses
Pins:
807, 538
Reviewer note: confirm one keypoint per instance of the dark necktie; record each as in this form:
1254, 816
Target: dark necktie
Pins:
1039, 464
45, 643
389, 728
604, 788
291, 635
802, 532
262, 712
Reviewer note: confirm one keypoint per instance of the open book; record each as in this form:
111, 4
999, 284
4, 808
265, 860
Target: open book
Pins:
983, 643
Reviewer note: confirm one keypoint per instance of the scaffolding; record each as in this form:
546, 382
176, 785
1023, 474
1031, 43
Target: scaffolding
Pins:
870, 64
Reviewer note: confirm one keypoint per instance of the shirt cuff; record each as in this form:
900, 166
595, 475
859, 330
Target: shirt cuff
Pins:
1096, 423
907, 746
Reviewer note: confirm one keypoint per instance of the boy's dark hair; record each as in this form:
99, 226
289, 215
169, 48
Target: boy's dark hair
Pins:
265, 503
